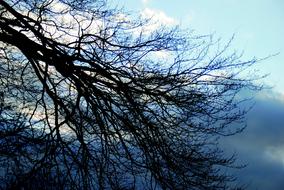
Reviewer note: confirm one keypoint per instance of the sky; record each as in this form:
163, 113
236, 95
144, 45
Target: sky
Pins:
256, 24
259, 32
261, 147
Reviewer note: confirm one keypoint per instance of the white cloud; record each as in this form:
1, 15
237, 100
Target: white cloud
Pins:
158, 18
271, 95
145, 1
162, 54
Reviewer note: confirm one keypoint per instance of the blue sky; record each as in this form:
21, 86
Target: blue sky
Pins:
261, 147
259, 31
257, 25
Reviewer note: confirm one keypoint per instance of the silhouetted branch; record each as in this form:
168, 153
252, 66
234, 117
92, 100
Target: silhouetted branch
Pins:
98, 108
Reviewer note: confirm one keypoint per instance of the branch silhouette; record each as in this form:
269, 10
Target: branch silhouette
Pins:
89, 104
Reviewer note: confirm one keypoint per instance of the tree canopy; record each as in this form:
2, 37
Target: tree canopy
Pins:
88, 102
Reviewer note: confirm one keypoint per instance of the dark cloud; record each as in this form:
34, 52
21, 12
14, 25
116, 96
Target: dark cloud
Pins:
261, 146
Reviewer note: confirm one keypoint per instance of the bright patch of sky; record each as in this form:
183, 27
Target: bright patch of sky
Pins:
276, 153
257, 25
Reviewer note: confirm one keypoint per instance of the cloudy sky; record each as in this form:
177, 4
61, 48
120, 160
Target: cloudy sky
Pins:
258, 28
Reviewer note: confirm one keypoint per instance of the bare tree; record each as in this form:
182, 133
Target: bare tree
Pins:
101, 109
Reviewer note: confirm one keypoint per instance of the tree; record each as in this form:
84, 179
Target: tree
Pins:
91, 105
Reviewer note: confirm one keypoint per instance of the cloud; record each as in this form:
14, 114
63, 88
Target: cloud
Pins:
276, 96
261, 145
162, 54
276, 153
145, 1
157, 19
158, 15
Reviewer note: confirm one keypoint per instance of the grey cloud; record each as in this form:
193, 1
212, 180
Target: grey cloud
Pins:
261, 146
